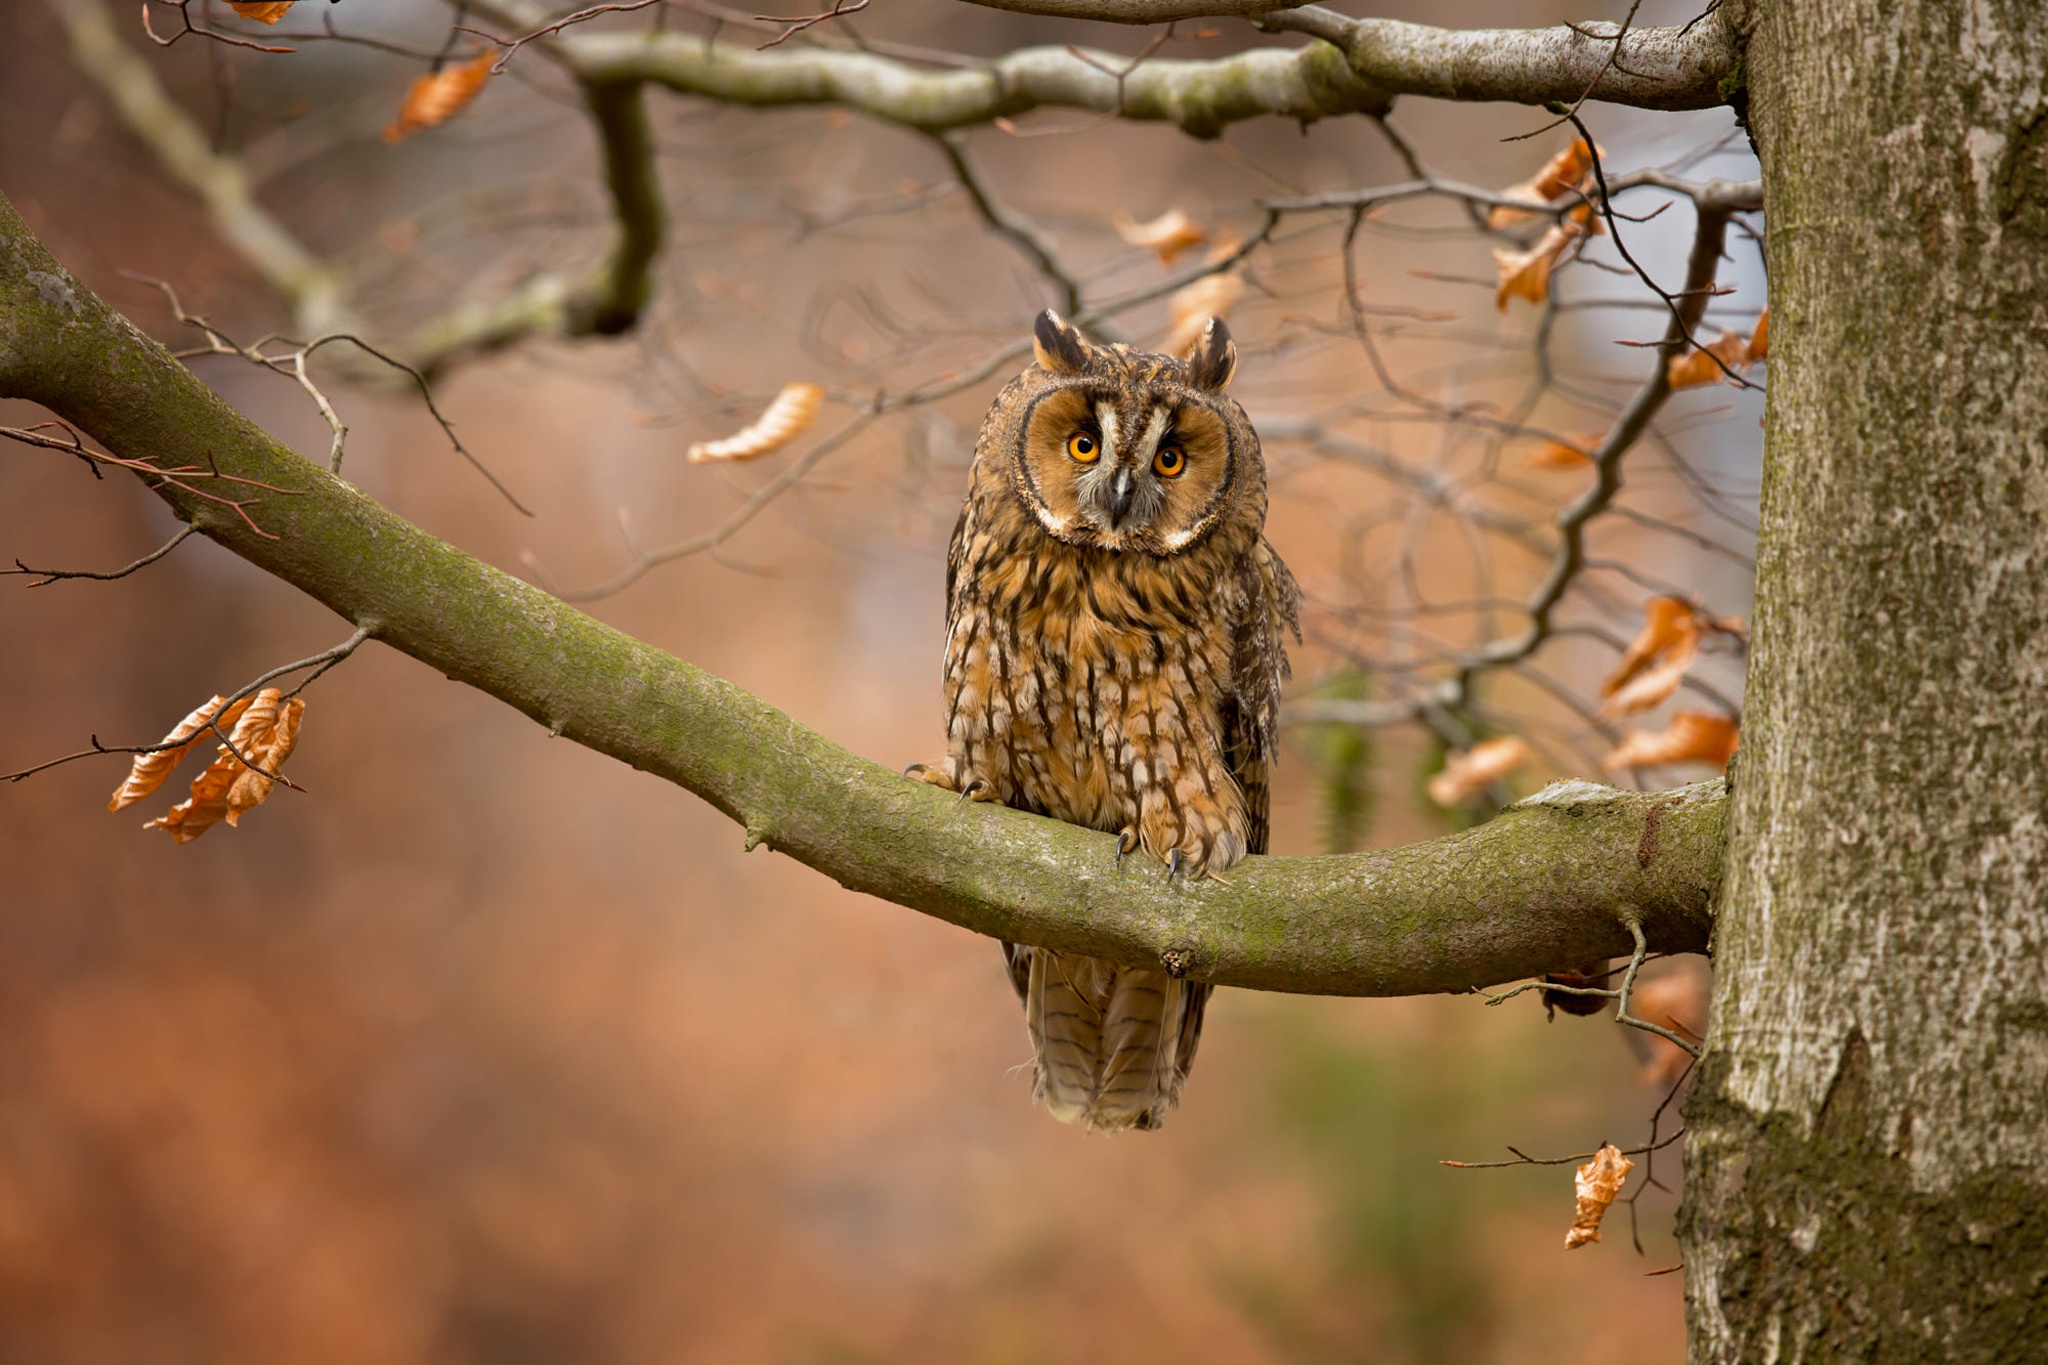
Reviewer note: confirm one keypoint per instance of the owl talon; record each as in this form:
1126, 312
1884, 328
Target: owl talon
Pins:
977, 790
1126, 843
1173, 861
918, 771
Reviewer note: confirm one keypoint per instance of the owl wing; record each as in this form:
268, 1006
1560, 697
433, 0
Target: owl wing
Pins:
1271, 609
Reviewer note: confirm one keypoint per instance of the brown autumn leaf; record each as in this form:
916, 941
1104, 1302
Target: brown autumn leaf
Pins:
1526, 274
1194, 304
267, 752
1467, 774
1563, 454
440, 96
266, 734
1676, 1000
1598, 1181
1760, 340
1655, 661
1698, 366
787, 418
262, 11
150, 770
1563, 173
1692, 737
1170, 234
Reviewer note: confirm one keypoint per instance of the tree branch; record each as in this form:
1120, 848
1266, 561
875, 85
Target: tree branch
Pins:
1678, 67
1557, 879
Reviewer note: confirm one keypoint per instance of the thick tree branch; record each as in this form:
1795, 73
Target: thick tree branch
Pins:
1200, 97
1679, 67
1556, 880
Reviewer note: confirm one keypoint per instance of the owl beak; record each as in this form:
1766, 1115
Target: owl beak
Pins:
1122, 490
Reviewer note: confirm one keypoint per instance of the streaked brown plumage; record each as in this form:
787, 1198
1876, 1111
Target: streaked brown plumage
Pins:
1114, 659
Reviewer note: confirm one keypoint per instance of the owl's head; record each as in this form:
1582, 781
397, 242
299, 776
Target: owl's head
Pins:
1127, 450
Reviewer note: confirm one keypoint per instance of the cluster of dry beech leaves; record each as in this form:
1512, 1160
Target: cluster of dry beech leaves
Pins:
1650, 670
242, 774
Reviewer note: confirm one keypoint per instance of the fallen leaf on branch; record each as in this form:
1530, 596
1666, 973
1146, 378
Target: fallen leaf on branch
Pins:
436, 98
150, 770
262, 11
1676, 1000
266, 734
1599, 1181
787, 418
1760, 339
1703, 364
1562, 454
1170, 234
1655, 661
1467, 774
1191, 307
1692, 737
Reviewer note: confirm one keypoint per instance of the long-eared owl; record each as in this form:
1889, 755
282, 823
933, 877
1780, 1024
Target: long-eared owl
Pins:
1114, 659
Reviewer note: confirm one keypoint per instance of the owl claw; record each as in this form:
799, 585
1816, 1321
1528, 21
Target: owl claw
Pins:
977, 790
1173, 861
917, 770
1126, 842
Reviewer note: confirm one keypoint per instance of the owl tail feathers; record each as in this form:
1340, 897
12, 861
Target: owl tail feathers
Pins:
1113, 1043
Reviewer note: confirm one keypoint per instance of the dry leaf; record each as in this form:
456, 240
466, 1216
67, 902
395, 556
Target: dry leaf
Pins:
436, 98
267, 752
1760, 340
787, 418
1692, 737
1526, 274
1653, 685
1676, 1000
1191, 307
1467, 774
265, 733
150, 770
1561, 454
1655, 661
1170, 234
1599, 1181
1697, 366
1563, 173
262, 11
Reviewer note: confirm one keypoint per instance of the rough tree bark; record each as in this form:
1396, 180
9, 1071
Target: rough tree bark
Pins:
1867, 1169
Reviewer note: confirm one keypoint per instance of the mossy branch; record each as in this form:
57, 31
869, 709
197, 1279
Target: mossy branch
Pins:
1552, 882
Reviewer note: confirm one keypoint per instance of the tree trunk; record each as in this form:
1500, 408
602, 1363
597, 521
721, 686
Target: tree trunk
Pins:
1868, 1137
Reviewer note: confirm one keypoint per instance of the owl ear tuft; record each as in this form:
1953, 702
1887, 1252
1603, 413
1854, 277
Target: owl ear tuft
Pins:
1058, 345
1213, 358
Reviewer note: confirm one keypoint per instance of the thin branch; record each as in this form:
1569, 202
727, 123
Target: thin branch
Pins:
45, 577
1009, 224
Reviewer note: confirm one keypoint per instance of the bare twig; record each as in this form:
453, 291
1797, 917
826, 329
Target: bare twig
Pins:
44, 577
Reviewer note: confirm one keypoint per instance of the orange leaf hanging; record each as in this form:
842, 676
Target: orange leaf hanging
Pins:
1598, 1182
1699, 366
265, 735
1467, 774
1655, 661
1692, 737
787, 418
1563, 173
1170, 234
150, 770
262, 11
440, 96
1760, 339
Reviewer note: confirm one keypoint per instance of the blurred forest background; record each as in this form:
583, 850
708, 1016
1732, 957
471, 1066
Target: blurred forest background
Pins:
486, 1048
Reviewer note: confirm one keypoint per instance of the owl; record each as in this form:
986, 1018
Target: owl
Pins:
1114, 657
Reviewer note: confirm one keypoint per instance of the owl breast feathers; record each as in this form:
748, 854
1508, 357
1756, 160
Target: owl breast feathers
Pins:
1114, 658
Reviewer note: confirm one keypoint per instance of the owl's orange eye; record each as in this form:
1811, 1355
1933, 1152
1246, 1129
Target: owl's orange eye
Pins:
1169, 462
1083, 447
